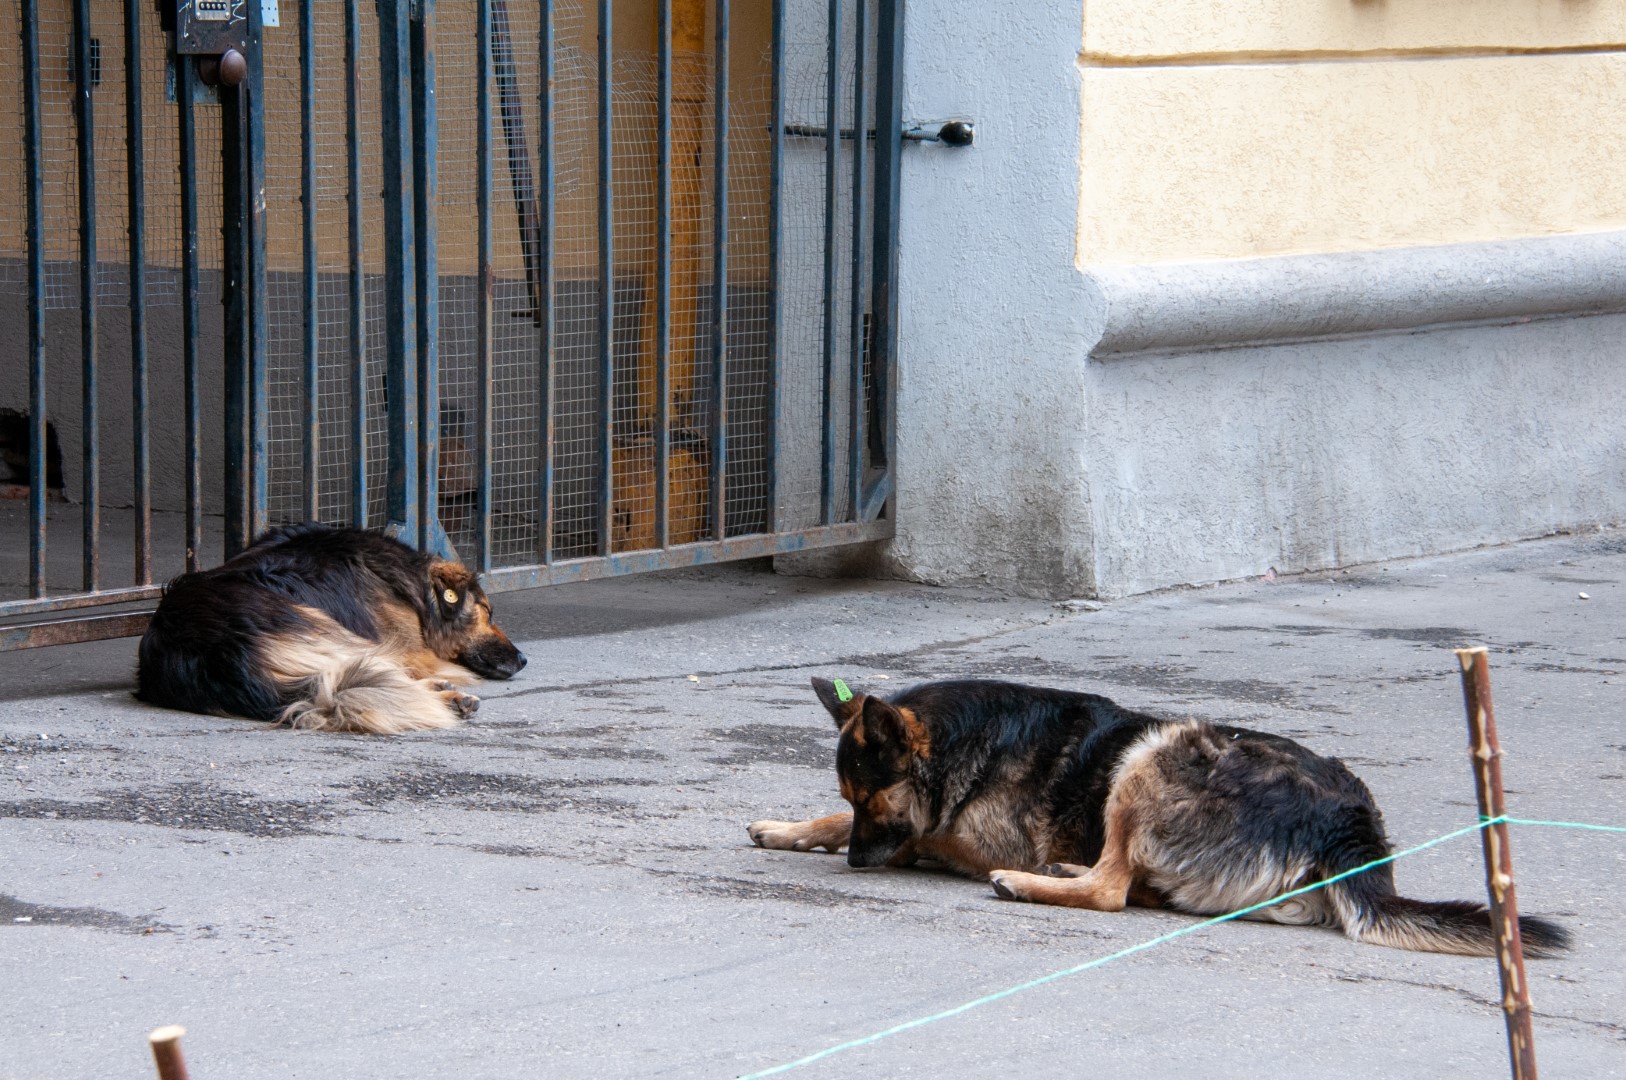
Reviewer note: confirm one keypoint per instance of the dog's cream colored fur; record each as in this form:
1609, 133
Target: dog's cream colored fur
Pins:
347, 683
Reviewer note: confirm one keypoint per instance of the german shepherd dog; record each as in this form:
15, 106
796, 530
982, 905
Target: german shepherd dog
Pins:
1066, 798
331, 629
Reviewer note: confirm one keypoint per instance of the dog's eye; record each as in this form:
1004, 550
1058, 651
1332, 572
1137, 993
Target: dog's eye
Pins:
450, 596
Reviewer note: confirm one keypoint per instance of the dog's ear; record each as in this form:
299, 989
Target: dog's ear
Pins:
887, 725
449, 583
841, 711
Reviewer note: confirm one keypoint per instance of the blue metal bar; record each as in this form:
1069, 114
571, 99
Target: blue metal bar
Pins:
883, 428
832, 161
359, 496
776, 185
425, 188
546, 325
855, 390
400, 230
606, 276
482, 359
185, 79
753, 546
663, 277
234, 265
719, 281
34, 173
84, 110
259, 405
136, 170
74, 601
311, 446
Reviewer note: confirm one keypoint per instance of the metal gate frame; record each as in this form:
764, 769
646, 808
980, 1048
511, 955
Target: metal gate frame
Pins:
410, 146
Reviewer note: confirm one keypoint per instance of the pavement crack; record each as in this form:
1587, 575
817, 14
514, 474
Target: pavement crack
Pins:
1478, 999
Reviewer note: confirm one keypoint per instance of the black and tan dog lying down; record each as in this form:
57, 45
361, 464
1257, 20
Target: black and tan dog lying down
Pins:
332, 629
1066, 798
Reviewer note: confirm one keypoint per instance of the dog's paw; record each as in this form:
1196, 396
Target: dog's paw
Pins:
782, 835
464, 705
1009, 884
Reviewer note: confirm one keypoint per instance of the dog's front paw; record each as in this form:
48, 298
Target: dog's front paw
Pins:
779, 835
464, 705
1010, 884
792, 836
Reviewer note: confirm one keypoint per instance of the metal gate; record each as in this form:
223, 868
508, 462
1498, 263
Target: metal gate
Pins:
565, 290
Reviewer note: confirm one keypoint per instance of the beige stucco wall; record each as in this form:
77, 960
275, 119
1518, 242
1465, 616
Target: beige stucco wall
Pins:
1223, 130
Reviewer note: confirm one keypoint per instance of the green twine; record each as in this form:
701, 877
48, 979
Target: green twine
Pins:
1170, 936
1563, 824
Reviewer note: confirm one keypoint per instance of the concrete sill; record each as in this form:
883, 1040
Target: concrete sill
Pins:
1186, 307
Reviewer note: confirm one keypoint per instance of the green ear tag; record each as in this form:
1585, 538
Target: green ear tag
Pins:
842, 693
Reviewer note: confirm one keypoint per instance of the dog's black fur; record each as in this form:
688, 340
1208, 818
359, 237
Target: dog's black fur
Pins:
1067, 798
323, 627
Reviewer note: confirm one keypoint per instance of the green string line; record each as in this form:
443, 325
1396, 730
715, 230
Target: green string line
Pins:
1563, 824
1120, 954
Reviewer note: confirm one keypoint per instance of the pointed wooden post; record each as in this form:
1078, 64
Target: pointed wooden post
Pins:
1486, 753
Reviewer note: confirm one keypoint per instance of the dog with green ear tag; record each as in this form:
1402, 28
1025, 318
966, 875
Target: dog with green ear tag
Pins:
1066, 798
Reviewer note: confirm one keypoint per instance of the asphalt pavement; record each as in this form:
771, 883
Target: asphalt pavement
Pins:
564, 887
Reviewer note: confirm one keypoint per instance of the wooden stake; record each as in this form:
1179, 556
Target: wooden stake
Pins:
166, 1052
1486, 753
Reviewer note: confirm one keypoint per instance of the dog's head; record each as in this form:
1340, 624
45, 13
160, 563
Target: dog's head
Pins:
457, 624
880, 744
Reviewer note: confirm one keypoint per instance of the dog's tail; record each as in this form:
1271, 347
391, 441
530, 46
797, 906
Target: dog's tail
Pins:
334, 680
1370, 910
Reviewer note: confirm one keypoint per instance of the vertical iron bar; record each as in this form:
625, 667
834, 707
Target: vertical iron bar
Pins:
546, 324
135, 162
719, 280
259, 405
359, 495
883, 428
312, 444
185, 74
34, 168
606, 276
85, 116
400, 279
425, 187
663, 277
483, 373
1504, 901
235, 274
856, 401
776, 184
832, 161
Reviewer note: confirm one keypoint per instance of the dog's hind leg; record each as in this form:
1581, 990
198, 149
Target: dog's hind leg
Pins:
1108, 884
830, 833
334, 680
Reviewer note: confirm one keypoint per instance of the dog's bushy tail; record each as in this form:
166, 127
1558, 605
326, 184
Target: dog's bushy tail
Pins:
334, 680
1369, 910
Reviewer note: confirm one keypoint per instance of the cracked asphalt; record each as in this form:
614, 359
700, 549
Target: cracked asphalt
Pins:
564, 886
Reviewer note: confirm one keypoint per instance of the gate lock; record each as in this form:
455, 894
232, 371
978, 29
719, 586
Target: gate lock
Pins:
214, 31
947, 132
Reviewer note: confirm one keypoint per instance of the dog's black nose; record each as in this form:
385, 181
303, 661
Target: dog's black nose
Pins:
519, 661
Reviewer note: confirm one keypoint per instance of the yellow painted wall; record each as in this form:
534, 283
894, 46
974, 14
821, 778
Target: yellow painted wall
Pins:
1266, 127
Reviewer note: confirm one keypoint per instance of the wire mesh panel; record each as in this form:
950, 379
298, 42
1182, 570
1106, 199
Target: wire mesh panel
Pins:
557, 441
648, 244
103, 471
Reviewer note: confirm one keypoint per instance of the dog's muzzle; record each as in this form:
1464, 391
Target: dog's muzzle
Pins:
494, 660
